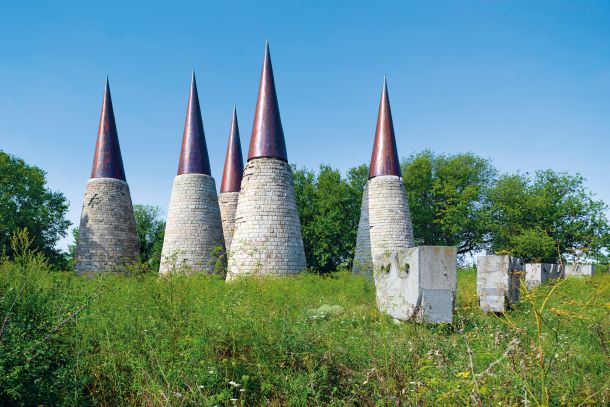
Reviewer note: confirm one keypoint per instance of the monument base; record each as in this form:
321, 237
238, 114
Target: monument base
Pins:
193, 234
498, 282
538, 273
417, 283
107, 239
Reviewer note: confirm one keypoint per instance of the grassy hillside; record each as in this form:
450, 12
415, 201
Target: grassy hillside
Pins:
141, 340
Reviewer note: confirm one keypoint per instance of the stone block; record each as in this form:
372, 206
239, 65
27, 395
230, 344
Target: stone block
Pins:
538, 273
498, 281
417, 283
575, 269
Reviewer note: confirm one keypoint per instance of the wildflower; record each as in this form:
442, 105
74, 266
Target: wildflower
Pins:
233, 384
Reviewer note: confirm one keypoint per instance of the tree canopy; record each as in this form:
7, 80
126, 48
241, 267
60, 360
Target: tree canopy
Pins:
27, 203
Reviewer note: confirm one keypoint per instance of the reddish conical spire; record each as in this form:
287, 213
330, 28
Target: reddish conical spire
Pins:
194, 153
267, 138
234, 162
384, 160
107, 161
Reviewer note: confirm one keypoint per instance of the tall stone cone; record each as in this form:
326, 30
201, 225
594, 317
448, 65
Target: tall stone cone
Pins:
231, 182
193, 232
107, 239
385, 220
267, 239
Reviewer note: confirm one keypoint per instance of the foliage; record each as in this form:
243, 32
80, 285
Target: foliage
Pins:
446, 194
141, 340
150, 227
547, 215
329, 210
26, 202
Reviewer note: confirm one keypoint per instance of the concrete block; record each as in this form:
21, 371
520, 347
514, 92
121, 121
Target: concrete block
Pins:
575, 269
417, 283
498, 281
538, 273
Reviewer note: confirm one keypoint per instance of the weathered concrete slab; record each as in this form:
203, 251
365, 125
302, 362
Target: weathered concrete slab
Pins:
417, 283
575, 269
498, 282
538, 273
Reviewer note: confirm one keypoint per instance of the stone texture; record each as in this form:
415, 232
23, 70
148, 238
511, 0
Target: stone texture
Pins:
193, 234
498, 282
538, 273
363, 258
107, 239
267, 239
389, 221
228, 206
417, 283
573, 269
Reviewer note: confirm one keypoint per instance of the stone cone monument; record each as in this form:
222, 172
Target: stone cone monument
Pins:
267, 239
385, 220
231, 182
107, 239
193, 233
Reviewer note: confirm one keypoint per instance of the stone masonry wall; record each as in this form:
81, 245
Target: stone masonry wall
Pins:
107, 239
389, 217
193, 233
267, 239
228, 206
363, 260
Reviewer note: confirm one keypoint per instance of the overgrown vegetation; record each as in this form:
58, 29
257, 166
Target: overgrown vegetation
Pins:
145, 340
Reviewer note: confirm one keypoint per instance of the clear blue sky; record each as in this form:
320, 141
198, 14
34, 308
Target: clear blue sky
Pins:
524, 83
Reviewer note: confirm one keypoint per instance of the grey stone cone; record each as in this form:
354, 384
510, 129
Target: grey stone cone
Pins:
193, 240
107, 239
385, 222
267, 239
228, 207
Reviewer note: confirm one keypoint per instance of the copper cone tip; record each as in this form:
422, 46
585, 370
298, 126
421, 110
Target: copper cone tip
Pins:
384, 160
234, 162
194, 153
267, 138
107, 160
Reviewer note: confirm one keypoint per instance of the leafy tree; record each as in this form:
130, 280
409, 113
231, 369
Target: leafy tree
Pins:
150, 227
446, 194
27, 202
329, 209
546, 215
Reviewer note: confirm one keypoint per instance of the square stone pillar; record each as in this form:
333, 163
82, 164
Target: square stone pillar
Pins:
498, 281
575, 269
417, 283
538, 273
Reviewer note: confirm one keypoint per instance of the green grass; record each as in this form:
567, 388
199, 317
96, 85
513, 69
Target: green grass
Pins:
309, 340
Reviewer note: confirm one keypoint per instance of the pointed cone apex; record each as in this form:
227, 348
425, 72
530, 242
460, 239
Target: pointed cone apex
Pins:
384, 160
194, 153
267, 134
234, 162
107, 161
